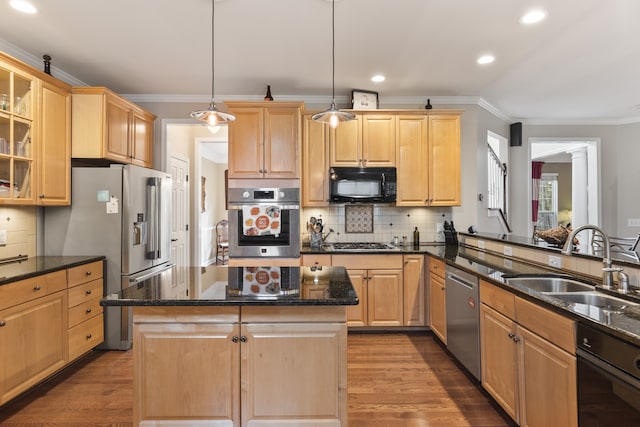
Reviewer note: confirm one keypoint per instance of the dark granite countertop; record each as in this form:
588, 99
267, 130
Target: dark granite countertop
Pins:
35, 266
244, 286
327, 249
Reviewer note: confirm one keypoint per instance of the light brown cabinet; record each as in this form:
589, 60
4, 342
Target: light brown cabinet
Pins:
368, 141
379, 289
414, 290
33, 321
315, 163
528, 361
235, 362
107, 126
428, 152
85, 317
437, 298
264, 140
54, 159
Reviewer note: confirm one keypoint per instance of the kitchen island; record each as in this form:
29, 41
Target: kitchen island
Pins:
260, 346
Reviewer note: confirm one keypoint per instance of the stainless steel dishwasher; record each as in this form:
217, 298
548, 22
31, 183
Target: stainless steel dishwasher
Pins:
463, 318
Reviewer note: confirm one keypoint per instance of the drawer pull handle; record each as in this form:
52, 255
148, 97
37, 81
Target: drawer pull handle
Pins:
243, 339
88, 310
89, 336
234, 339
2, 323
36, 288
88, 292
87, 273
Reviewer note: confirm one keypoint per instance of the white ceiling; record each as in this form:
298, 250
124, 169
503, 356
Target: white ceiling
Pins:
580, 65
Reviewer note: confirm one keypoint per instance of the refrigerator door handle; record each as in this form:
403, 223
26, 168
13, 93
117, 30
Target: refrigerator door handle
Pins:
153, 208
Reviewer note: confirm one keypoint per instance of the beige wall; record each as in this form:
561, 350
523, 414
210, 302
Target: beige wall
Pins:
564, 188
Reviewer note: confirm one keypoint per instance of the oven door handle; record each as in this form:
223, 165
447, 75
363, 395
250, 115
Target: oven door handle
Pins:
609, 370
282, 207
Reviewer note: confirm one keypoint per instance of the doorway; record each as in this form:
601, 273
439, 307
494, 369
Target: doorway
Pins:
570, 181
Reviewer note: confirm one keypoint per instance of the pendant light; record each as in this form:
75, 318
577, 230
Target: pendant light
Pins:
215, 114
333, 115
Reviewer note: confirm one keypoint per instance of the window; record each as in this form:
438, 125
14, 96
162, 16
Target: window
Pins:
548, 202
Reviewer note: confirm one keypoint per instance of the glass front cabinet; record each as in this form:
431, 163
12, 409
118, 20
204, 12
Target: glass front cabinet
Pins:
17, 92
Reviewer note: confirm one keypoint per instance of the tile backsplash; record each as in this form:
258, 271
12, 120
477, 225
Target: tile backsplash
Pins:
20, 225
388, 221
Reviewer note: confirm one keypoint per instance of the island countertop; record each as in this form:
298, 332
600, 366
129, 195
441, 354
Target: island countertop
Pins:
241, 286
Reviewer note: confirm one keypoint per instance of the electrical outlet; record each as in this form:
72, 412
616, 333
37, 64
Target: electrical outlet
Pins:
508, 264
3, 237
507, 250
633, 222
480, 244
555, 261
439, 227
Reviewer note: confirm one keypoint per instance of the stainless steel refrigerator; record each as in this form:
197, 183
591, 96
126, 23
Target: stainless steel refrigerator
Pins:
124, 213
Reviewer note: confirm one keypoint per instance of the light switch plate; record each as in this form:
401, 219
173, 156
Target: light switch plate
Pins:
3, 237
555, 261
480, 244
507, 250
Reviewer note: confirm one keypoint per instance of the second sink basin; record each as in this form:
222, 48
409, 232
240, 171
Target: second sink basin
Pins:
594, 299
549, 284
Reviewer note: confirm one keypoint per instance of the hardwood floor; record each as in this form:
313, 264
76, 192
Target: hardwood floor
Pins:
394, 380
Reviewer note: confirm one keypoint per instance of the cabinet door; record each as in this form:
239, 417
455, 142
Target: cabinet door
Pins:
499, 360
437, 307
118, 131
444, 161
378, 140
276, 357
384, 298
188, 373
413, 285
548, 395
357, 314
33, 343
346, 143
281, 142
246, 143
54, 183
412, 175
142, 139
315, 163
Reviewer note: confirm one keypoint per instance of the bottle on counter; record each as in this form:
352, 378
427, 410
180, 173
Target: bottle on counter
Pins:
416, 238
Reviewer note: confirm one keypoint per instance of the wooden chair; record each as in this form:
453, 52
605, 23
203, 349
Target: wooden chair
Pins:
222, 241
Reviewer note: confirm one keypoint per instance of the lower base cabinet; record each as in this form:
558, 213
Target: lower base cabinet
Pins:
437, 298
528, 364
212, 366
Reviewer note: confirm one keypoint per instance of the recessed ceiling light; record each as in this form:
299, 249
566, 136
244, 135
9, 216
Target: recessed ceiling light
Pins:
23, 6
533, 17
377, 78
486, 59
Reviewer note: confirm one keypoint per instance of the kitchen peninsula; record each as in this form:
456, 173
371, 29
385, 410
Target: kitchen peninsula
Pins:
259, 346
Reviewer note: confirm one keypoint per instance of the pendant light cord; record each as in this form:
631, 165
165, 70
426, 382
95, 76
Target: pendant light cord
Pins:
213, 48
333, 51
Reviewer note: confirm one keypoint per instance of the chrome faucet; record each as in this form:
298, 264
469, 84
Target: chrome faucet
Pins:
607, 276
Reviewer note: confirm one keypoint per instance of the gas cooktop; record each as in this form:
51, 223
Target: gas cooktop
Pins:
363, 246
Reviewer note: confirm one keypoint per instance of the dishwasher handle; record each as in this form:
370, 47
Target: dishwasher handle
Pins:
452, 277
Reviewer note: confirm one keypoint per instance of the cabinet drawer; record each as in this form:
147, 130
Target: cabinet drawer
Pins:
364, 262
84, 273
32, 288
503, 301
436, 266
311, 260
82, 293
549, 325
85, 336
84, 311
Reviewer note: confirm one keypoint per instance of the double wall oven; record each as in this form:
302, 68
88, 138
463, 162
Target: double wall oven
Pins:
264, 222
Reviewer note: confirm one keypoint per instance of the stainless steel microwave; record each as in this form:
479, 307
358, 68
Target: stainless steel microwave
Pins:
362, 185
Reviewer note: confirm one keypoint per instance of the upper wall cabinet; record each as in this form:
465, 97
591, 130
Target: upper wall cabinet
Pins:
315, 163
428, 152
107, 126
370, 140
34, 126
264, 140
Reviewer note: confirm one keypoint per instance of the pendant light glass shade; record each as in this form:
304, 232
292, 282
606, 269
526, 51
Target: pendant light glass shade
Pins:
333, 115
215, 114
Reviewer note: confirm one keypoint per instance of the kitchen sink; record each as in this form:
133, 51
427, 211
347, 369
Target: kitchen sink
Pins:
549, 284
595, 299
